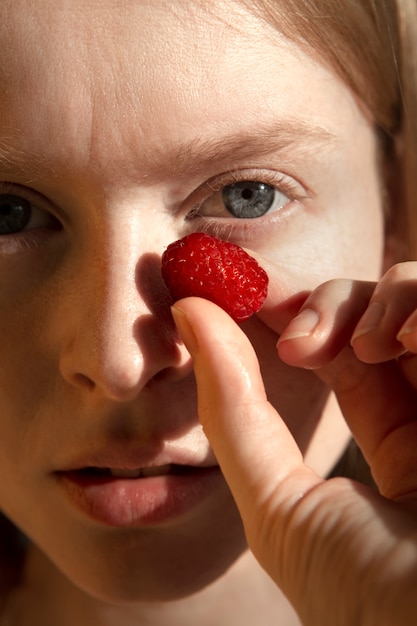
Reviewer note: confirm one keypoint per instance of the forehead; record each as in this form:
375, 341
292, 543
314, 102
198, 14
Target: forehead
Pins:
102, 58
98, 80
76, 37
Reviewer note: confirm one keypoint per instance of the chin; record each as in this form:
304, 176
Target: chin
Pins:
127, 567
163, 581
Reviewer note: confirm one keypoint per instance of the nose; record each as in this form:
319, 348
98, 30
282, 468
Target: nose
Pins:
119, 334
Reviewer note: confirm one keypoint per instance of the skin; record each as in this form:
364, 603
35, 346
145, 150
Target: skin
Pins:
114, 179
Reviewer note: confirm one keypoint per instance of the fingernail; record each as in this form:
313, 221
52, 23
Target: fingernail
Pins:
301, 326
370, 319
185, 330
405, 330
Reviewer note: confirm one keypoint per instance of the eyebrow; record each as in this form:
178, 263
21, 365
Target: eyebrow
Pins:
197, 155
260, 141
16, 162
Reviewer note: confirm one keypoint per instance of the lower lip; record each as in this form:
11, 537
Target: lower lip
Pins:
128, 502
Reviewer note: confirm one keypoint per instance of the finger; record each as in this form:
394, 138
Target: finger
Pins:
378, 404
376, 400
254, 447
407, 334
325, 323
388, 327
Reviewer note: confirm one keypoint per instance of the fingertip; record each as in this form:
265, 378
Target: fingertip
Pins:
220, 348
407, 335
303, 325
299, 344
185, 329
376, 345
408, 340
370, 320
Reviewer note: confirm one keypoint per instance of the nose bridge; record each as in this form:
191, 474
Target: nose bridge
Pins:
114, 306
118, 339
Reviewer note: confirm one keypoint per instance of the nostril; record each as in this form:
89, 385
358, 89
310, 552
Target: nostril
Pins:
122, 337
80, 380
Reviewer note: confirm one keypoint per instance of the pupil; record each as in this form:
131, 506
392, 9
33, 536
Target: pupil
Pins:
247, 194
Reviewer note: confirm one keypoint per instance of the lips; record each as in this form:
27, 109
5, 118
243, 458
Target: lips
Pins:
142, 472
152, 494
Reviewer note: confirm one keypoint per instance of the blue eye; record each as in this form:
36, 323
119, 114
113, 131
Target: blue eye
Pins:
248, 199
15, 213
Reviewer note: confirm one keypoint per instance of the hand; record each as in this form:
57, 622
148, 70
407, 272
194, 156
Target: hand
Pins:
343, 554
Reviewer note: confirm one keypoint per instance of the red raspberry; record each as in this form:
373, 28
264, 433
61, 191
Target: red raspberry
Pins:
201, 265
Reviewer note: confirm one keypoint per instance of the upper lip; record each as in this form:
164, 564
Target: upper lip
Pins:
128, 458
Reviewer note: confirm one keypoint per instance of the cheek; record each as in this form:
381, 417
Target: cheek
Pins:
338, 231
354, 245
342, 240
28, 384
352, 217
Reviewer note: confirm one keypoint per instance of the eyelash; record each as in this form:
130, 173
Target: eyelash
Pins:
228, 227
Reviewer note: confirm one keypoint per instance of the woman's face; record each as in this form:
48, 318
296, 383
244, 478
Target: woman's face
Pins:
122, 127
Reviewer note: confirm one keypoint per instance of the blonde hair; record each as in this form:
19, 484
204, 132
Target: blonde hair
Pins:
372, 45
